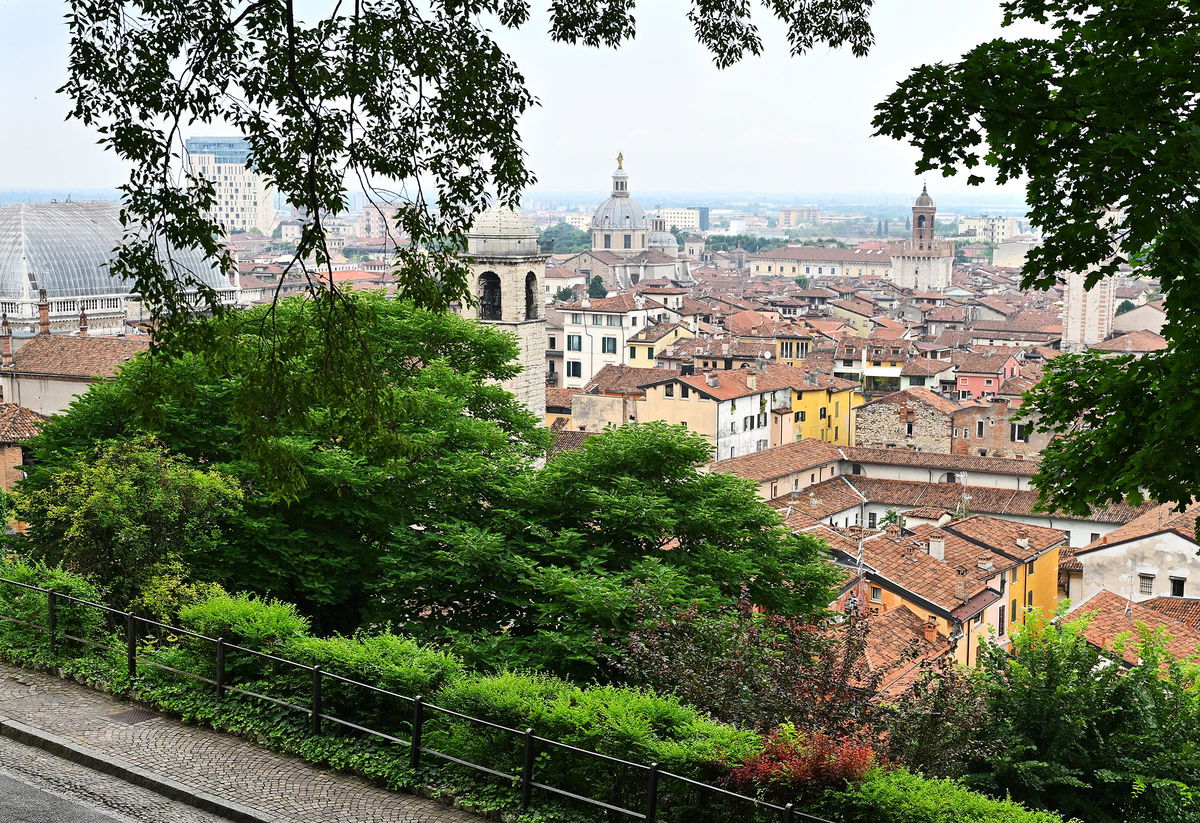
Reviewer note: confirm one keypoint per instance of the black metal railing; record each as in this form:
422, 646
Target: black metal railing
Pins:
653, 780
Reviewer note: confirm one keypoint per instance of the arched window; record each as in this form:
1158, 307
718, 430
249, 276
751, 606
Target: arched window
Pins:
856, 468
489, 296
531, 306
921, 222
951, 477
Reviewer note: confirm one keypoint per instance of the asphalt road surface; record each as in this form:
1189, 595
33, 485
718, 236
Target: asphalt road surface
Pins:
38, 787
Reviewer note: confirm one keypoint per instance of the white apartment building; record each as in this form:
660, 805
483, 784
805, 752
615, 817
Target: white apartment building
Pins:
990, 229
245, 200
689, 219
597, 332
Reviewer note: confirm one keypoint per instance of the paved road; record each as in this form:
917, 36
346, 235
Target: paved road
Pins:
22, 803
36, 787
273, 786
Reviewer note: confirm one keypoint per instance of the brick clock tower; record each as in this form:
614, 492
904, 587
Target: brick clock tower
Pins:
923, 262
507, 272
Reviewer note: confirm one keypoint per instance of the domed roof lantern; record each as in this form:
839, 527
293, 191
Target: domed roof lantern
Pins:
924, 201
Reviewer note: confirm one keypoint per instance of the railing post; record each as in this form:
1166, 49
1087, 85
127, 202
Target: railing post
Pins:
220, 678
52, 619
527, 771
316, 699
418, 718
131, 643
787, 812
652, 794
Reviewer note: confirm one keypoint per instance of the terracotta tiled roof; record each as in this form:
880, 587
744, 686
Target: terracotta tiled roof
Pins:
624, 302
731, 383
652, 334
975, 363
1067, 561
1183, 609
918, 394
1160, 518
559, 398
840, 493
1113, 617
626, 380
817, 254
66, 355
925, 367
1133, 342
18, 423
567, 440
945, 314
803, 380
854, 306
896, 646
780, 461
943, 462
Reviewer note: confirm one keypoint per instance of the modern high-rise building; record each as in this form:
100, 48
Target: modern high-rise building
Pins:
1087, 313
245, 200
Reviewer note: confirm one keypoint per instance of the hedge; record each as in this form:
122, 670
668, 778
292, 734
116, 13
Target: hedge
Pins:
626, 723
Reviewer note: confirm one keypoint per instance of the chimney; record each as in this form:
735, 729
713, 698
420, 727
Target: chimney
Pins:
937, 545
639, 301
931, 632
6, 359
1022, 538
585, 303
892, 530
43, 312
83, 324
960, 584
752, 381
711, 379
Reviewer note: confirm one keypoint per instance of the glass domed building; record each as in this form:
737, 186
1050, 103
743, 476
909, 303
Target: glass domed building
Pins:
65, 249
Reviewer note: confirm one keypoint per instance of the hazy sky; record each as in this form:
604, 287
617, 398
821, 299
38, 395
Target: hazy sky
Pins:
770, 124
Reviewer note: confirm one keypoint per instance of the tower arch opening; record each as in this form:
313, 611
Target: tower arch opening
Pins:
490, 305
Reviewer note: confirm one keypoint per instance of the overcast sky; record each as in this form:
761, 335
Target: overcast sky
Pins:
770, 124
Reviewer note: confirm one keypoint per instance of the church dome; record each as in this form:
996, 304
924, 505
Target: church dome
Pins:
620, 211
924, 201
501, 231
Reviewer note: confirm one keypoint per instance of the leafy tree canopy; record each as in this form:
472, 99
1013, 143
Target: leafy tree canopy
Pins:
596, 289
1077, 733
322, 490
437, 518
416, 103
1045, 109
125, 515
564, 239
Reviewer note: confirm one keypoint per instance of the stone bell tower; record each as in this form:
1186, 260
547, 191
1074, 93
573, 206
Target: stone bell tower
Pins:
507, 274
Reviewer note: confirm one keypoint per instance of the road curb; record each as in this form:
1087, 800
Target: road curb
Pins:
115, 767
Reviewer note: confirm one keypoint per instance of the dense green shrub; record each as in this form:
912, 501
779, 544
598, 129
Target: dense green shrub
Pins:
32, 606
899, 796
386, 661
245, 620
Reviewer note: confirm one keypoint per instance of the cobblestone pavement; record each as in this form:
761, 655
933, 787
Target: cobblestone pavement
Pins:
277, 786
38, 787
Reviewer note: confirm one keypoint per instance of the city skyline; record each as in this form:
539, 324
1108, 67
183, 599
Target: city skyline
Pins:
770, 125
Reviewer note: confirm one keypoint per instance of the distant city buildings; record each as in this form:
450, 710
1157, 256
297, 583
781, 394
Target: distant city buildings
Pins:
989, 229
245, 200
791, 218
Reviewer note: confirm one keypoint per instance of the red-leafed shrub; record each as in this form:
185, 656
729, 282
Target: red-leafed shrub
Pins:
794, 764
